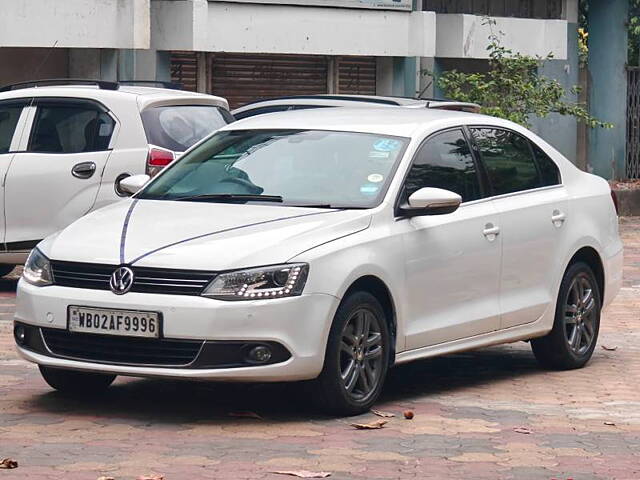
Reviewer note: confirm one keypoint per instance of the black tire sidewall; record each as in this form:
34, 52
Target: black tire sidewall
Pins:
336, 399
553, 350
76, 382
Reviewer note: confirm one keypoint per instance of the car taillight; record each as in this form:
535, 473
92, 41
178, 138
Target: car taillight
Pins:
614, 197
157, 159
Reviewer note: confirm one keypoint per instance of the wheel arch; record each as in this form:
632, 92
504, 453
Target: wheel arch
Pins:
378, 288
591, 257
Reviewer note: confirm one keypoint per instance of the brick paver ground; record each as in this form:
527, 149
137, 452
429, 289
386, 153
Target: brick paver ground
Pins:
469, 412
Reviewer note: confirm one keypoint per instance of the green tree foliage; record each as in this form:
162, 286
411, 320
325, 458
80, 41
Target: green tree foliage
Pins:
634, 32
512, 88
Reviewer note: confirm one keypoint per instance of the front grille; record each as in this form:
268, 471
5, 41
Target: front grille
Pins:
146, 280
122, 350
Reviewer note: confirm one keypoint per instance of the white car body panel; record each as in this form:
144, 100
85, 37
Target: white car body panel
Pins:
452, 286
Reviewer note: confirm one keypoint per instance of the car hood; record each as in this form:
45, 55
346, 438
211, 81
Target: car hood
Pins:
201, 236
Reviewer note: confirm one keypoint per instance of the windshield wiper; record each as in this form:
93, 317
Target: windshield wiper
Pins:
230, 196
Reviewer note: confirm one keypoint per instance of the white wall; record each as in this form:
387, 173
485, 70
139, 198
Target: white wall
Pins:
465, 36
75, 23
253, 28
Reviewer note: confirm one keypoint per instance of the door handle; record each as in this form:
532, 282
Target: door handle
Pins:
83, 170
491, 231
558, 218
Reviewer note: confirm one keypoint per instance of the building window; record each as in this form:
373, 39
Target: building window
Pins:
544, 9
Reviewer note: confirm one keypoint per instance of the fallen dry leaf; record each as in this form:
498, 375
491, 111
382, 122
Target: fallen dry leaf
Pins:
304, 473
608, 348
611, 424
8, 463
151, 476
523, 430
382, 414
246, 415
378, 424
408, 414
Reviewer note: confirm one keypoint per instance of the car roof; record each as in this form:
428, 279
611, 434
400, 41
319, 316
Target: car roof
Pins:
145, 96
396, 121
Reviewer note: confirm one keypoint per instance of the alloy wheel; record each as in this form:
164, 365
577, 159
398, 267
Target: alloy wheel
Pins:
580, 315
361, 354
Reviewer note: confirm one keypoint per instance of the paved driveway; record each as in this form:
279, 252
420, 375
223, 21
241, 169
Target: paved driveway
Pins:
486, 414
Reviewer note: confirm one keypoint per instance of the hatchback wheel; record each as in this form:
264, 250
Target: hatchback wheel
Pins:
572, 340
78, 383
356, 359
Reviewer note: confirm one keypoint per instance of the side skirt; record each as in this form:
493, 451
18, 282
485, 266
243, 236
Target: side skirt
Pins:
508, 335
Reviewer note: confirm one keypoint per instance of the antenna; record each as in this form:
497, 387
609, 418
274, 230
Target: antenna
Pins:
424, 90
44, 60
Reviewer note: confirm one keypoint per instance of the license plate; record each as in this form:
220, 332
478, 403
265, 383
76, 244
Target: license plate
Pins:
132, 323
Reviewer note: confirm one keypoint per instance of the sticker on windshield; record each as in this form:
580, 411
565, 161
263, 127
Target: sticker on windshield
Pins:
386, 145
369, 189
375, 154
375, 178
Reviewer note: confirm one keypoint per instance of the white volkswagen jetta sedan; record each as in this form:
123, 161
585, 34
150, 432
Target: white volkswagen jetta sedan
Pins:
328, 245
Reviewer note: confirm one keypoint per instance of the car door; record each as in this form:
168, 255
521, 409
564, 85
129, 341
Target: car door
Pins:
55, 177
533, 208
12, 119
452, 261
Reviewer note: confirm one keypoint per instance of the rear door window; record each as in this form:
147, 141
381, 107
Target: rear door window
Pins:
508, 160
178, 127
549, 171
67, 127
9, 116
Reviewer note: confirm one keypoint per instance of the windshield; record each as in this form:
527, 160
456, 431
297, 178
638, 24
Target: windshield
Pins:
178, 127
293, 167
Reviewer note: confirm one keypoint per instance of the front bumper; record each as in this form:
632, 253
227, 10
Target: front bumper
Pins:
299, 324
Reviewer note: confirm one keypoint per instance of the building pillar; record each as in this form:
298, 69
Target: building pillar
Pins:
93, 63
404, 76
608, 86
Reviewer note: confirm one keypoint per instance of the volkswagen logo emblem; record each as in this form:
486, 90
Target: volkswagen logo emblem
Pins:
121, 280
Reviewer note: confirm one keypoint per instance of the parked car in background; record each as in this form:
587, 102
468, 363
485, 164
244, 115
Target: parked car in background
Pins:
328, 245
304, 102
65, 145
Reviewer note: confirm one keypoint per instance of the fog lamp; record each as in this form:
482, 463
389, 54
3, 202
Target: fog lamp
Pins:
20, 334
260, 354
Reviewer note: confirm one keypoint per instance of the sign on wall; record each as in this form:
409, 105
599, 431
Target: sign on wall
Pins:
381, 4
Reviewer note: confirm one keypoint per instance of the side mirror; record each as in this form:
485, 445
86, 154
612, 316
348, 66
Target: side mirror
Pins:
133, 183
431, 201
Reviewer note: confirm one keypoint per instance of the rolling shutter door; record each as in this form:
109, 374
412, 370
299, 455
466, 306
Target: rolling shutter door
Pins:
244, 78
356, 75
184, 70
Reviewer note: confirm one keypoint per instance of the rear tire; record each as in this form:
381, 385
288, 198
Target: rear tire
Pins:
6, 269
356, 359
571, 342
74, 382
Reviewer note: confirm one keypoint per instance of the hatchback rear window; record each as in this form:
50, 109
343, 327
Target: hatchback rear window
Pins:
178, 127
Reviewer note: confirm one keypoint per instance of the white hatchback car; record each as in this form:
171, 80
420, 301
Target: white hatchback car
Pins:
65, 145
328, 245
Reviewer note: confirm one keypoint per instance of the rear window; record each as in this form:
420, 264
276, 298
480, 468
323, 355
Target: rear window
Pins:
178, 127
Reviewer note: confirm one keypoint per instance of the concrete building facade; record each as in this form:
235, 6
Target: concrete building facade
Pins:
250, 49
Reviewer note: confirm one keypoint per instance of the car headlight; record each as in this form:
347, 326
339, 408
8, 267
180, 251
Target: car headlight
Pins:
274, 281
37, 269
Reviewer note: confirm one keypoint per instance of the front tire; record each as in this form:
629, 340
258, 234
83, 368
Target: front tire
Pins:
356, 359
571, 342
74, 382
